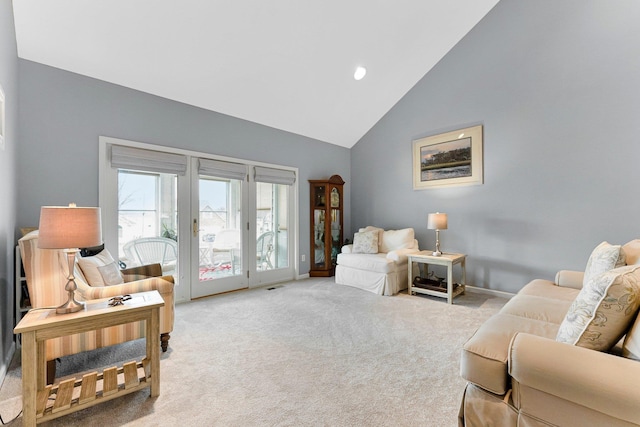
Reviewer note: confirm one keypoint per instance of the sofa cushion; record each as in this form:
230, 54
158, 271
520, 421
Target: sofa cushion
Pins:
603, 310
631, 345
397, 239
372, 262
541, 287
100, 269
537, 309
604, 257
365, 242
632, 251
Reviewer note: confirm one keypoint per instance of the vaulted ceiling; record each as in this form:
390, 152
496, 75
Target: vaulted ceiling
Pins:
287, 64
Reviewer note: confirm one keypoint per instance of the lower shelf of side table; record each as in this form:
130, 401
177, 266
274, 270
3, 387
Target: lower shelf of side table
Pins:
441, 292
75, 394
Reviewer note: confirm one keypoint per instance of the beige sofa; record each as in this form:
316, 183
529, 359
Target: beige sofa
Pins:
522, 371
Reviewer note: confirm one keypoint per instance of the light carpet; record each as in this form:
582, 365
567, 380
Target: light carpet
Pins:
307, 353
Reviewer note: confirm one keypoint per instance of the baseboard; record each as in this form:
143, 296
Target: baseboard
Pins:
5, 367
302, 276
493, 292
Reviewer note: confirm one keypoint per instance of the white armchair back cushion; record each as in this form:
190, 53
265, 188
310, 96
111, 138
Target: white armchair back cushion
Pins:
391, 240
397, 239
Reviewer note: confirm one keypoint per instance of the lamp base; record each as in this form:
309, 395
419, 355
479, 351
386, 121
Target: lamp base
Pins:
436, 253
70, 306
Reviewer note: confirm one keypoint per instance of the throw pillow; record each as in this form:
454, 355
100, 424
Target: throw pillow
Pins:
604, 257
90, 268
372, 228
111, 274
603, 310
365, 242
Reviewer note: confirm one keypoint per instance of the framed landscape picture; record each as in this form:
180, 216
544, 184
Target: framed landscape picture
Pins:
448, 159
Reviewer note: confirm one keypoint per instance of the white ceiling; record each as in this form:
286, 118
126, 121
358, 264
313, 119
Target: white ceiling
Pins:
287, 64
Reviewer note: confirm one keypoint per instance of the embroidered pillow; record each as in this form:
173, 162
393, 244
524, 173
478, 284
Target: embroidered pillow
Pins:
604, 257
100, 269
603, 310
365, 242
372, 228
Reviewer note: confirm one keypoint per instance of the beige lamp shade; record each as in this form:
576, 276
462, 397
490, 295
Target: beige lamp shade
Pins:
437, 221
65, 227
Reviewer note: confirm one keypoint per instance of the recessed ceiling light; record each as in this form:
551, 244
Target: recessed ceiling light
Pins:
461, 135
360, 73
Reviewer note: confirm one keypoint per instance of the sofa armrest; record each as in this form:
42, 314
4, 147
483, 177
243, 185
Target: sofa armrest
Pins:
570, 278
400, 255
600, 381
347, 249
164, 285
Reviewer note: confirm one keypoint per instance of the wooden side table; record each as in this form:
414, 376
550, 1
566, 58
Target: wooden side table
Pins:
448, 260
41, 402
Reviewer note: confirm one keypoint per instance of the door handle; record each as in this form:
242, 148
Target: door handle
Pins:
195, 227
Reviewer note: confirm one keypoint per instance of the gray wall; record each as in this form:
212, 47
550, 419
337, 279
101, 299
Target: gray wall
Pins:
556, 86
62, 115
9, 83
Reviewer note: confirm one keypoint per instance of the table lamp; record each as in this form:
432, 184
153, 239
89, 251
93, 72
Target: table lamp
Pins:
69, 228
437, 221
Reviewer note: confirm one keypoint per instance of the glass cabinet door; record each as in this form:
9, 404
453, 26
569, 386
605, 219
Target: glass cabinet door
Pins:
319, 251
336, 225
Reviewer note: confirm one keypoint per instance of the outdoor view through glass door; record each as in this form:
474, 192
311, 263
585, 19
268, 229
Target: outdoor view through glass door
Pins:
219, 204
220, 229
272, 226
148, 219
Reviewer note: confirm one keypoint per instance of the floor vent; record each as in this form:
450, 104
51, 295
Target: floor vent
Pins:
273, 287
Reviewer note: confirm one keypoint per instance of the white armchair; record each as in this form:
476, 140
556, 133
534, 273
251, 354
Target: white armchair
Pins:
382, 271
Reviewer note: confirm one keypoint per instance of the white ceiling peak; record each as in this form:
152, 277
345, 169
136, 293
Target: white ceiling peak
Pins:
282, 63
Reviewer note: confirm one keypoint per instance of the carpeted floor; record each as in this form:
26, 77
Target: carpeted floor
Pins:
306, 353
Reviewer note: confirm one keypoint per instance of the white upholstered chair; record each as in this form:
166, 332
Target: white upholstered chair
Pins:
381, 270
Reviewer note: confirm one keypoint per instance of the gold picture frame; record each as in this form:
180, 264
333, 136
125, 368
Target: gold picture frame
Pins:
448, 159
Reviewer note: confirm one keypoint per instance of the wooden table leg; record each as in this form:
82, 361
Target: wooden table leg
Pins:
450, 283
153, 350
30, 373
410, 277
464, 275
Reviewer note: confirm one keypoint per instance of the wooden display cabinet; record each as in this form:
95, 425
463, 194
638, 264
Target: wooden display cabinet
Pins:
327, 212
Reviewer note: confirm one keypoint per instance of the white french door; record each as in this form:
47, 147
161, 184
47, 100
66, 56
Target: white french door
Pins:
219, 207
216, 225
241, 222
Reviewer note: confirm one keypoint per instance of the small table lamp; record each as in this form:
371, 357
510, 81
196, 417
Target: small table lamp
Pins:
437, 221
69, 228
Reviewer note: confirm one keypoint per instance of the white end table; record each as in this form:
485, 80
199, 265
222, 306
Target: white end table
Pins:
446, 259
